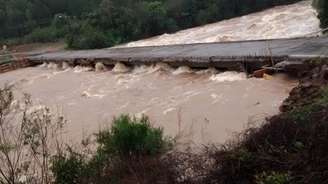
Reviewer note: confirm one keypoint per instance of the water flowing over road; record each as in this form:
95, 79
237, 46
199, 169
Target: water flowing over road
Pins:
295, 20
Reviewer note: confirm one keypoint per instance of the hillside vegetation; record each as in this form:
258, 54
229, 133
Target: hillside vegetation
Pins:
102, 23
322, 6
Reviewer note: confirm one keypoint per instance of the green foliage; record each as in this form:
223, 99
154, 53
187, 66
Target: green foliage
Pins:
105, 23
68, 169
131, 136
86, 37
322, 6
42, 35
272, 178
302, 114
128, 143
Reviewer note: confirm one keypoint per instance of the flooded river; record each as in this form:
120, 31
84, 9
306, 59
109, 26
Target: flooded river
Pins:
289, 21
202, 106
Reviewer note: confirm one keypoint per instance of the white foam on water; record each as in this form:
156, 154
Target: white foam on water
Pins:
183, 70
100, 67
87, 94
166, 111
228, 77
288, 21
61, 71
162, 67
53, 66
43, 65
65, 66
210, 71
121, 68
80, 69
141, 69
159, 67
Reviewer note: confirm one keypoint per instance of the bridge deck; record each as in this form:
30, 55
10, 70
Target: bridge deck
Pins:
221, 55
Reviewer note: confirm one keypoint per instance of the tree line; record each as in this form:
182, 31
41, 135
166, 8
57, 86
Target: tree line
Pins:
101, 23
322, 7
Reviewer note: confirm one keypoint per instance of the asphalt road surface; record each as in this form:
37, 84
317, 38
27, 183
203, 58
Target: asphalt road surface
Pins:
298, 47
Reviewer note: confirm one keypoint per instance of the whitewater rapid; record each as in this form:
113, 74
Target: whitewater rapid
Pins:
201, 106
295, 20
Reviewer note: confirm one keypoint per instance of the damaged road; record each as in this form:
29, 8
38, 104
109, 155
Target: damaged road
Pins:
244, 55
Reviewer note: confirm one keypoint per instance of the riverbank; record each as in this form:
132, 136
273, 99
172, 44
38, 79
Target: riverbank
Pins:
288, 148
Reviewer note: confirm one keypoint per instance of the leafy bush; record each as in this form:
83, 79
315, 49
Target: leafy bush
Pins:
86, 37
131, 136
69, 168
132, 147
272, 178
47, 34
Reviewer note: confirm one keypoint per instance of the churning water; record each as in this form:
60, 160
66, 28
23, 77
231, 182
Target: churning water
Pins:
203, 106
289, 21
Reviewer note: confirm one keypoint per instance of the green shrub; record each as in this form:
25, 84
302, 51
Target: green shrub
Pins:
131, 136
322, 7
68, 169
302, 114
86, 37
272, 178
131, 143
47, 34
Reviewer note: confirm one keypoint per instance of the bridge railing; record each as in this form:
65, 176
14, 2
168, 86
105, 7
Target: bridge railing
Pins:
10, 61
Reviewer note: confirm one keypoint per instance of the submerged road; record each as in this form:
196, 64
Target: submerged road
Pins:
221, 55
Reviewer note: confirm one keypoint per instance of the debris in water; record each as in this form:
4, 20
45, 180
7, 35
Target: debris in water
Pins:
260, 73
267, 77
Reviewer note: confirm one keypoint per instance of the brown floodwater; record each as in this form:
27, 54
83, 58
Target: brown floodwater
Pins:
200, 106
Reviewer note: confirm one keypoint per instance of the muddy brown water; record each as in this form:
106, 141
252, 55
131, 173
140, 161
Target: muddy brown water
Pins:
200, 106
